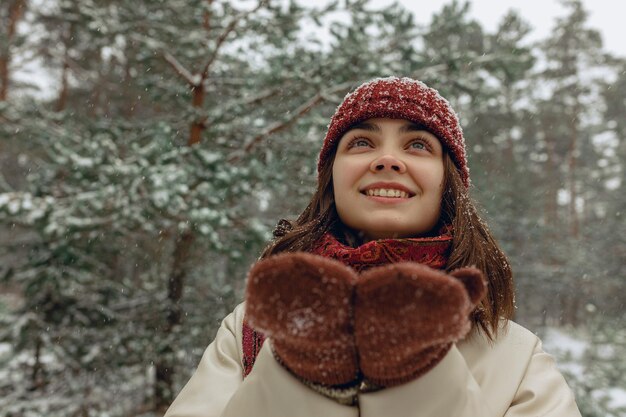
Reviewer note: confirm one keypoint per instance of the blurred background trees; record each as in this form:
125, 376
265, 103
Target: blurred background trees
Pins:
138, 188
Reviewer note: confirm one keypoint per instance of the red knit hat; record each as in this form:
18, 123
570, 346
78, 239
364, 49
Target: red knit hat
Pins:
399, 98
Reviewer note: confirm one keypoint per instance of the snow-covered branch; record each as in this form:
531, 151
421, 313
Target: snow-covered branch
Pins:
295, 115
193, 80
227, 31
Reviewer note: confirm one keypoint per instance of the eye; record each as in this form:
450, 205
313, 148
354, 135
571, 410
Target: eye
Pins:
420, 144
359, 143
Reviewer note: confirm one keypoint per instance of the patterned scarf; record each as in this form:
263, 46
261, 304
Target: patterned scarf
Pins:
431, 251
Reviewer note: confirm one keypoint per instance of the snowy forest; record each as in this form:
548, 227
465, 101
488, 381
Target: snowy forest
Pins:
139, 186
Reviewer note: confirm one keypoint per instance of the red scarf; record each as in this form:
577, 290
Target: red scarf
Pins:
431, 251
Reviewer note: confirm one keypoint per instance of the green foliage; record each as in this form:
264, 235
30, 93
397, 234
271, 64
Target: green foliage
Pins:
595, 369
105, 205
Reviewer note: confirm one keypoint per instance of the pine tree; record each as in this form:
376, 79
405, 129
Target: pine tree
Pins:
152, 180
571, 54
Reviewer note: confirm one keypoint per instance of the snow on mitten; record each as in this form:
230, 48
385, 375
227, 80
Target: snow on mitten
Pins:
407, 316
303, 303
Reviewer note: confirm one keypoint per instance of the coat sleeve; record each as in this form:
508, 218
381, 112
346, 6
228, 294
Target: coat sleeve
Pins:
511, 378
217, 388
543, 390
449, 389
217, 377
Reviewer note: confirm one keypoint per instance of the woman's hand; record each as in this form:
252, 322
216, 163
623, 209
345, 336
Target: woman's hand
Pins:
407, 316
331, 326
304, 303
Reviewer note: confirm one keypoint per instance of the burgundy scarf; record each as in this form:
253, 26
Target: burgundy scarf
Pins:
431, 251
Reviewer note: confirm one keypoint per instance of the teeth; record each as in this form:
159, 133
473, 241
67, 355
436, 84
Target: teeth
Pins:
383, 192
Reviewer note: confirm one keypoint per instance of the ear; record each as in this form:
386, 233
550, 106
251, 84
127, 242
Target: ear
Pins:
474, 281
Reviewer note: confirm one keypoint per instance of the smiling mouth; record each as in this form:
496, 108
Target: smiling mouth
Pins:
387, 193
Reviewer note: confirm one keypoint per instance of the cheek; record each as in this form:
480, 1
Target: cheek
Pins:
436, 177
441, 183
344, 180
428, 176
344, 175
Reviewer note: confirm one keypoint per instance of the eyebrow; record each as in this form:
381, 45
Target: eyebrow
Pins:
373, 127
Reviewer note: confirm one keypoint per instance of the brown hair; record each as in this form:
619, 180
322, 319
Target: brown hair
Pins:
472, 243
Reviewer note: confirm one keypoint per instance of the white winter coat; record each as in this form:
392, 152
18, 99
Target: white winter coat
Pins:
512, 377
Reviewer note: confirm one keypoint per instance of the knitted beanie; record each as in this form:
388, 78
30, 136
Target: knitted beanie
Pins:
399, 98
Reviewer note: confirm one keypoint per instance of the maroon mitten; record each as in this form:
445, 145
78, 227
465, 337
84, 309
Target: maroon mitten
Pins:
303, 302
407, 316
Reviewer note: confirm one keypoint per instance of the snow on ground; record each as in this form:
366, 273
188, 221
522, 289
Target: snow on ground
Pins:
569, 350
559, 343
617, 397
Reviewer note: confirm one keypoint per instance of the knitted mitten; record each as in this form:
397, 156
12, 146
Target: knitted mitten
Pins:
303, 303
407, 316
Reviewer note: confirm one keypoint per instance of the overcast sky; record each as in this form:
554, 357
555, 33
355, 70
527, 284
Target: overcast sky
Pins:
606, 16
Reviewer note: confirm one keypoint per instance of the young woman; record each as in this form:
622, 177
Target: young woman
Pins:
388, 295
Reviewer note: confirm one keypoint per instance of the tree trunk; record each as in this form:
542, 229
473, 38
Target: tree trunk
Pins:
197, 127
551, 195
62, 98
179, 273
4, 75
16, 11
37, 375
129, 97
510, 162
165, 370
573, 213
207, 17
570, 306
165, 365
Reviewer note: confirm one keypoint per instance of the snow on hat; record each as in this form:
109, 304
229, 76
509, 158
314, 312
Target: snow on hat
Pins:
399, 98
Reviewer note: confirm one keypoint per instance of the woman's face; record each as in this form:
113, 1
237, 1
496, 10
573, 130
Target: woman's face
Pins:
388, 179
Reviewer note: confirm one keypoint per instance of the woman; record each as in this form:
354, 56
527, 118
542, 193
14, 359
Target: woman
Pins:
388, 295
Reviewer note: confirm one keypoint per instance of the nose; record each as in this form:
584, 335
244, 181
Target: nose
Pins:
388, 162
